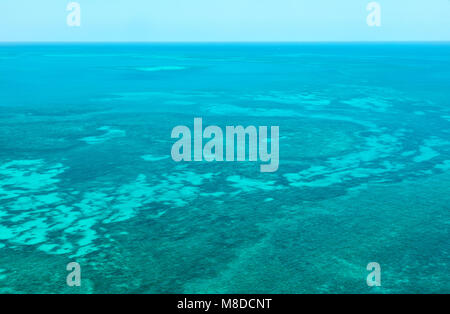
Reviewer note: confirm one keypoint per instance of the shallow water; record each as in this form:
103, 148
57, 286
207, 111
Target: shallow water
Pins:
86, 173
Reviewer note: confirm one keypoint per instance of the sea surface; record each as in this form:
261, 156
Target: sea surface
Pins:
86, 173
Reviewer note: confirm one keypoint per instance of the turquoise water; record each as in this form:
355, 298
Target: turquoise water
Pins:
86, 173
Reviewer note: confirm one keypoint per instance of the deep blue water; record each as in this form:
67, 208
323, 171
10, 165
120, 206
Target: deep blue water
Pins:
86, 173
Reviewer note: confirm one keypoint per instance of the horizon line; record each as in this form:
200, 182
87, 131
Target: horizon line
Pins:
229, 42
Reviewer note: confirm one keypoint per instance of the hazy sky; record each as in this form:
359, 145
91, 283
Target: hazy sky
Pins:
224, 20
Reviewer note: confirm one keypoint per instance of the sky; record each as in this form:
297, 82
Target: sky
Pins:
223, 21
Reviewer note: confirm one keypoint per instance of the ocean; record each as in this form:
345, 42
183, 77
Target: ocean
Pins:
86, 173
